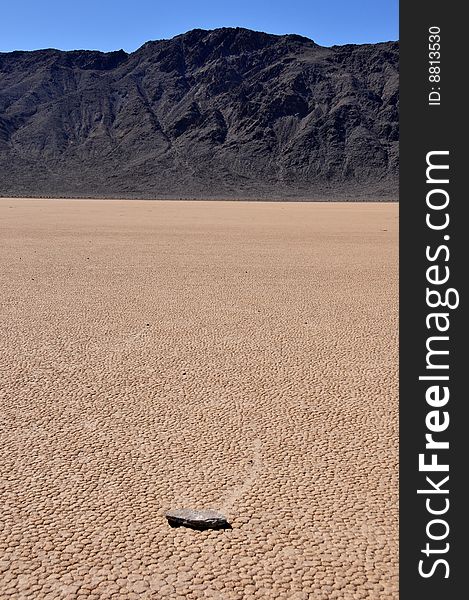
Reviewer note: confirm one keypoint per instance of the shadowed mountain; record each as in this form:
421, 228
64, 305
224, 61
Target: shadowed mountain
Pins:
222, 113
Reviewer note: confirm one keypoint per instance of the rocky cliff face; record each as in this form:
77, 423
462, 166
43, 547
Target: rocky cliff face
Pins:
222, 113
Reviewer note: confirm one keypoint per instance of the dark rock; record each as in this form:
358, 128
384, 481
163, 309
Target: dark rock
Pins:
197, 519
223, 113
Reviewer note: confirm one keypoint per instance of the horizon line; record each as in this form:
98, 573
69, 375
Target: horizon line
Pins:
190, 31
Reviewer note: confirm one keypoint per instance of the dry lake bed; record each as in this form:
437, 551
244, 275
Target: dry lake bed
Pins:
235, 356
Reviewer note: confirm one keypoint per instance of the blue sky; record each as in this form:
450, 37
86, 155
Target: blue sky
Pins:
114, 24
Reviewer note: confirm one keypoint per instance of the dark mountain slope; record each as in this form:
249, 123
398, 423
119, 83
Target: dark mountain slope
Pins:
229, 112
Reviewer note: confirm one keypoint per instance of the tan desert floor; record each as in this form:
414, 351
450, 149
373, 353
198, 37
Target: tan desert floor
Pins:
231, 355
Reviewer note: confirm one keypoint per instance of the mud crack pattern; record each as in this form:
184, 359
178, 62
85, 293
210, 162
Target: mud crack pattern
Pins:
236, 356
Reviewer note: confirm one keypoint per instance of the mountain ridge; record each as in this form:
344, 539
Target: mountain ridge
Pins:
228, 113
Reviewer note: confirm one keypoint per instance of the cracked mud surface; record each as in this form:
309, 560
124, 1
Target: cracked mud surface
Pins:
235, 356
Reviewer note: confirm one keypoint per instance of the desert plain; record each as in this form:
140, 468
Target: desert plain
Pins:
240, 356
